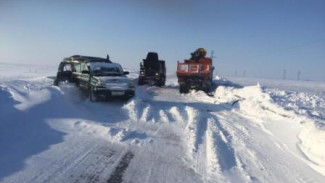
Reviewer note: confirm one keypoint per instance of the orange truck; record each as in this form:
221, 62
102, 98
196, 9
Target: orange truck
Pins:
195, 73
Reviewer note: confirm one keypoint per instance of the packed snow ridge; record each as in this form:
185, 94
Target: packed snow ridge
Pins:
243, 133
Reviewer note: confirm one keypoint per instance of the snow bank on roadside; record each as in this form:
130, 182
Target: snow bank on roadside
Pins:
252, 100
307, 109
312, 145
300, 102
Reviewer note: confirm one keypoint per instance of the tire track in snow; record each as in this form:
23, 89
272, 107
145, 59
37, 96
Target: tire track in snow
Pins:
225, 164
195, 132
117, 175
251, 148
146, 114
235, 137
153, 111
209, 145
178, 116
85, 161
162, 161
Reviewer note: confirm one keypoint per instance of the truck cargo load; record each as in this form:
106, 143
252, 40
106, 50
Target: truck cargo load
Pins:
195, 73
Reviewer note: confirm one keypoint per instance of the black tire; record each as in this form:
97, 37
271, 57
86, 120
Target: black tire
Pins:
140, 82
56, 82
208, 86
126, 98
184, 89
161, 82
207, 89
92, 96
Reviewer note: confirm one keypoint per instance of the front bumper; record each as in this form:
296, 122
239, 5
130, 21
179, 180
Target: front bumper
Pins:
108, 93
152, 80
195, 82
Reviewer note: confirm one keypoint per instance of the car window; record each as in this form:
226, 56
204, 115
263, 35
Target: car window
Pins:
84, 67
67, 67
77, 67
107, 71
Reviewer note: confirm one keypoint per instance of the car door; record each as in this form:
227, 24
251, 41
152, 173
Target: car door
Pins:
84, 76
64, 73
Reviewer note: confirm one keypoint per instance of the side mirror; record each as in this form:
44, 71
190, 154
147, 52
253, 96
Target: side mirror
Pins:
85, 72
126, 72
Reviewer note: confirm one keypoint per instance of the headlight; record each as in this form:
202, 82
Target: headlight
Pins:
157, 73
98, 84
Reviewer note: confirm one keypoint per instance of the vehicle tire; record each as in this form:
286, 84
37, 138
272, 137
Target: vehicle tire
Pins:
207, 89
56, 82
184, 89
126, 98
161, 82
140, 82
92, 96
208, 86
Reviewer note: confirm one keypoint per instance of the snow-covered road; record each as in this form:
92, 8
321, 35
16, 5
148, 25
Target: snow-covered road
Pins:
53, 134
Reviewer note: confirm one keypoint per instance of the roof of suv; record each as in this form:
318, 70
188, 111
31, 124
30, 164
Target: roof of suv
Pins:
81, 58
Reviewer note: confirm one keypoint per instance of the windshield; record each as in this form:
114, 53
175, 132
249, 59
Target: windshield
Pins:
107, 71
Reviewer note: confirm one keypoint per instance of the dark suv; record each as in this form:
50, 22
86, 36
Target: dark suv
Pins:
99, 78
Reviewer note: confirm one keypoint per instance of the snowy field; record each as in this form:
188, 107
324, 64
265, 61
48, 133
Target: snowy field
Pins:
270, 132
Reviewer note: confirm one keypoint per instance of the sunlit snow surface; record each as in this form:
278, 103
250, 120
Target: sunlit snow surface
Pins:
246, 132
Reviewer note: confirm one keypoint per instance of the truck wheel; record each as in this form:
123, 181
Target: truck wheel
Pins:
140, 82
208, 86
92, 96
161, 82
207, 89
184, 89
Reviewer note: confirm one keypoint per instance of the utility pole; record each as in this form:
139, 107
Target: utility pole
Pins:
298, 76
212, 55
284, 74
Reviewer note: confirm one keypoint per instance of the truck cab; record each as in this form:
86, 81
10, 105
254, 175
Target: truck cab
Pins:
152, 71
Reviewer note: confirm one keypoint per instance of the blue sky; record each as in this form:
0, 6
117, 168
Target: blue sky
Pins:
261, 37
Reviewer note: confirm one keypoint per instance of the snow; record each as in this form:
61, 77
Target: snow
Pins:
246, 132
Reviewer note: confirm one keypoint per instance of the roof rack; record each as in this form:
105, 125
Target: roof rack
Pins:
81, 58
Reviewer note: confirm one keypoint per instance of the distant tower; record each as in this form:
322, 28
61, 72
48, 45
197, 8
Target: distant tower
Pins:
212, 54
284, 74
298, 76
244, 73
236, 73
